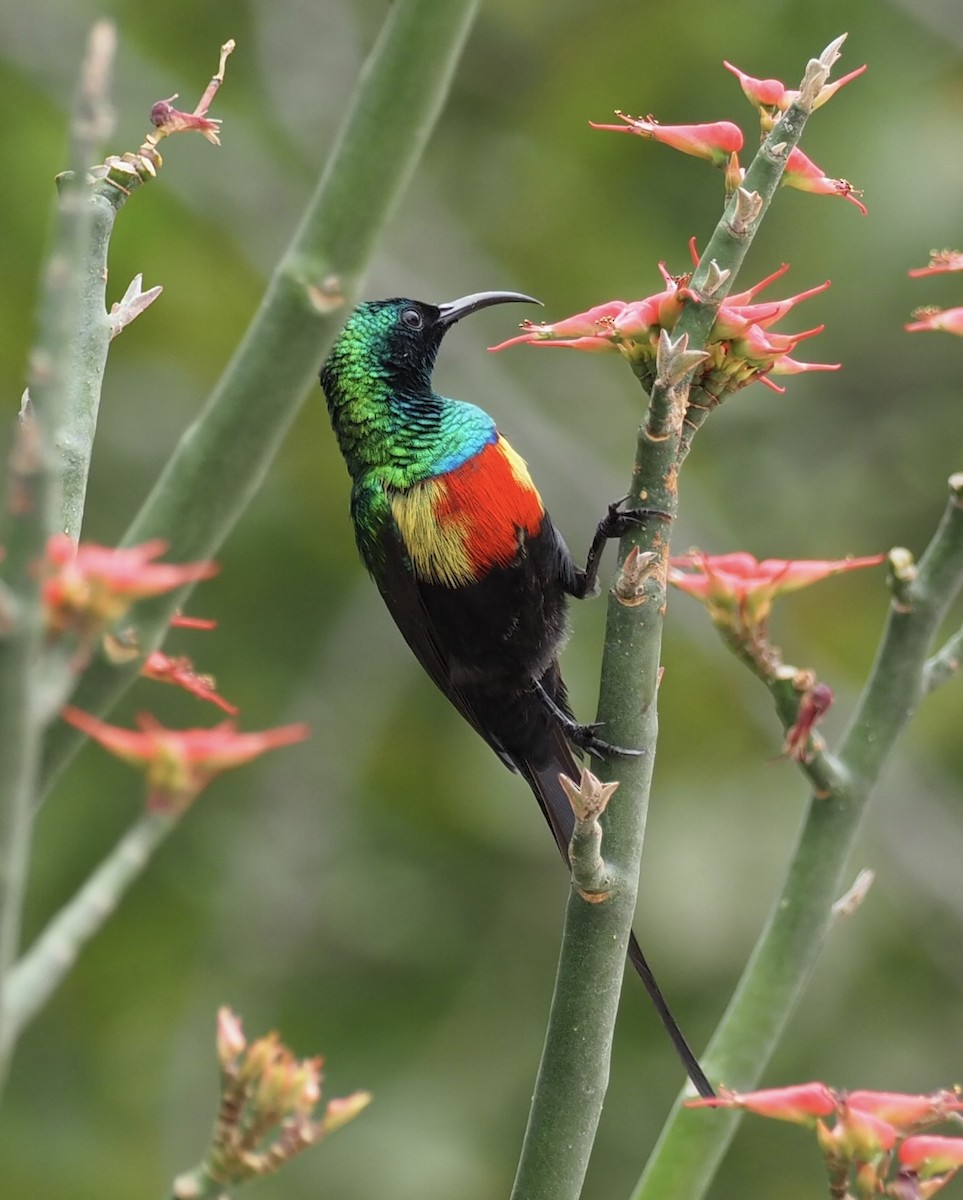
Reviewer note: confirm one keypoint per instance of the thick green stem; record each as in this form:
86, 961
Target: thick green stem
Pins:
223, 457
693, 1143
40, 971
88, 360
33, 509
575, 1061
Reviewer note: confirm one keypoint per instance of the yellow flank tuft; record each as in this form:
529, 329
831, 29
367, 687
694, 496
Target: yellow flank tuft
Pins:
518, 465
437, 549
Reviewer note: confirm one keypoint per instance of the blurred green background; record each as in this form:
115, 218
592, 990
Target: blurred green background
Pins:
386, 894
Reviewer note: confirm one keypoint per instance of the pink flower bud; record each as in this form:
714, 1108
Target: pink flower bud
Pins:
801, 1103
762, 93
906, 1111
947, 320
941, 261
739, 591
179, 763
931, 1154
231, 1042
714, 141
802, 173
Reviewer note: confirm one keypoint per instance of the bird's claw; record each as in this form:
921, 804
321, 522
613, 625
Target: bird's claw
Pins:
618, 521
587, 739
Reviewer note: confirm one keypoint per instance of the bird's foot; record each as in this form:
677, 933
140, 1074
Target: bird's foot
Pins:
586, 738
618, 520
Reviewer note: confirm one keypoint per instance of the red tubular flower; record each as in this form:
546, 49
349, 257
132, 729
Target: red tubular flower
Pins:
714, 141
766, 314
801, 1103
941, 261
180, 672
759, 349
773, 95
930, 1154
761, 93
746, 297
594, 323
784, 365
802, 173
858, 1136
740, 349
905, 1111
947, 320
179, 763
88, 586
738, 590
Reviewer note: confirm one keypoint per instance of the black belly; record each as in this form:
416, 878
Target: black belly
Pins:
501, 636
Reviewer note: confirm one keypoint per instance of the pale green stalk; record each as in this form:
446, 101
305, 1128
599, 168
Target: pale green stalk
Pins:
39, 972
574, 1069
34, 509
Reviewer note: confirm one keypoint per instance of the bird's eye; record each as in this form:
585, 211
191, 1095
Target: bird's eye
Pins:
412, 318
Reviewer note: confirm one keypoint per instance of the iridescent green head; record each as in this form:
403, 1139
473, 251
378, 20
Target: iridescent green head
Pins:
391, 345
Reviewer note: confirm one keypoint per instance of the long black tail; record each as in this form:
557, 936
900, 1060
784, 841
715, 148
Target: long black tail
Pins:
558, 812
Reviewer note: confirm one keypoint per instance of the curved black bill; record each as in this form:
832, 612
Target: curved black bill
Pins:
454, 310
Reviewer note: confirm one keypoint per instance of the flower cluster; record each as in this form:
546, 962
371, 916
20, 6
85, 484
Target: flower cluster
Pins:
947, 320
872, 1142
267, 1111
719, 142
738, 591
179, 763
741, 347
86, 589
771, 97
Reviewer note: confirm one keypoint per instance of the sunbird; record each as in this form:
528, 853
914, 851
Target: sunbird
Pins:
473, 571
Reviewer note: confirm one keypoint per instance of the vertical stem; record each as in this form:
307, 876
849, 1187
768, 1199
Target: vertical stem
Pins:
574, 1070
33, 510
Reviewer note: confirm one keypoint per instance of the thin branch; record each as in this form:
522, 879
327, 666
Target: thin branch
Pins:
945, 663
43, 967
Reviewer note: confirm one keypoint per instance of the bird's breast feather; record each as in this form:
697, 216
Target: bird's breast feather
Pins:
458, 525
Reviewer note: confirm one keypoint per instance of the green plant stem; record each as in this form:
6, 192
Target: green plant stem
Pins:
25, 532
33, 511
692, 1143
945, 663
42, 968
223, 457
573, 1074
88, 360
